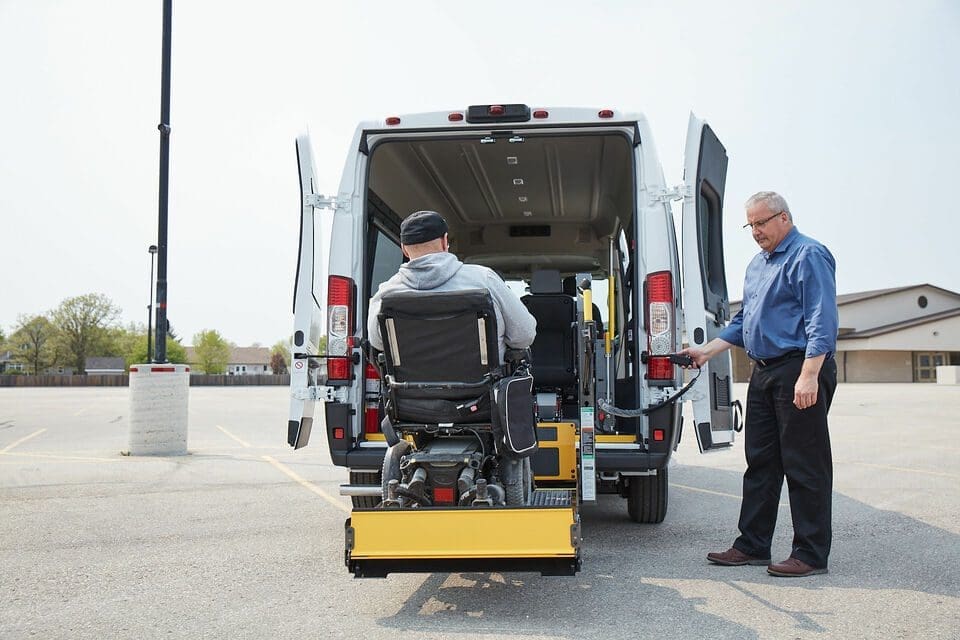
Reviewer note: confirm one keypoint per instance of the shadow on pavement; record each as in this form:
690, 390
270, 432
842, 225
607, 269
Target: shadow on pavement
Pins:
617, 594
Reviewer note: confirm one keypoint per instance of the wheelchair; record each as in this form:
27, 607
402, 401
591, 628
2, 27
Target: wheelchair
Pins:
459, 423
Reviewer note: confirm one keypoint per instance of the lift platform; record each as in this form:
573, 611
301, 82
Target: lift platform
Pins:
543, 537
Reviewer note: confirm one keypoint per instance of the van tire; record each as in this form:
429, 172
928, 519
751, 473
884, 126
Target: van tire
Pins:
647, 497
362, 477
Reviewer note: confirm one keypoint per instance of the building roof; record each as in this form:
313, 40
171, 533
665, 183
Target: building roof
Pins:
897, 326
877, 293
105, 364
249, 355
847, 298
238, 355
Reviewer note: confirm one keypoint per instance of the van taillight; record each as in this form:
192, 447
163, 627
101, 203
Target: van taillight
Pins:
340, 314
371, 400
660, 329
338, 368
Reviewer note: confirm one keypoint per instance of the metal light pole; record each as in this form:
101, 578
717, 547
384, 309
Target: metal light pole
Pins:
164, 128
153, 252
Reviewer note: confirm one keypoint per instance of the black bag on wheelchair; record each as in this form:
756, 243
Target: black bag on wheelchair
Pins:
514, 421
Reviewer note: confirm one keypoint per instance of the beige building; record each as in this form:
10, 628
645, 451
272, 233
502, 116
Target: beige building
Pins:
889, 335
244, 361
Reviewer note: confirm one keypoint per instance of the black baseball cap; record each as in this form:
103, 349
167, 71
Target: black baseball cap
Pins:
422, 226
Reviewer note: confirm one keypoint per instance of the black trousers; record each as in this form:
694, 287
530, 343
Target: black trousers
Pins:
781, 440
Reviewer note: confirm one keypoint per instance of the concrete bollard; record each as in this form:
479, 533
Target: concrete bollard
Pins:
159, 395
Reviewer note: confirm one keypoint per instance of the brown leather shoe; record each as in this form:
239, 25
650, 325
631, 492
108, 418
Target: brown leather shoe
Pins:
733, 557
793, 568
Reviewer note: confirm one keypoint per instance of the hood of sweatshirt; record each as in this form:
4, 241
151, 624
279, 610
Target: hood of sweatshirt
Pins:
429, 271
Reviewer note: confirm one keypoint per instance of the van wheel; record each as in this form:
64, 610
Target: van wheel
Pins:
647, 497
361, 477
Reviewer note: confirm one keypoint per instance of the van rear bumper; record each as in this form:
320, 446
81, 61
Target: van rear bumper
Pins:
631, 460
359, 458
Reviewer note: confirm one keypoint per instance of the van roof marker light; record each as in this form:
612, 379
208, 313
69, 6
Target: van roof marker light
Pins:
393, 120
496, 110
456, 116
511, 159
605, 113
541, 113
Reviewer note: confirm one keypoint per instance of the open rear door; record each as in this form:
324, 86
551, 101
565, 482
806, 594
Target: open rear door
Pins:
307, 313
706, 307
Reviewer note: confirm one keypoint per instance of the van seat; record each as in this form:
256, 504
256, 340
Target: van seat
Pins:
554, 349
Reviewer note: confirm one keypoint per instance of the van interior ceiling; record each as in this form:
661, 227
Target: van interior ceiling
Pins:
546, 201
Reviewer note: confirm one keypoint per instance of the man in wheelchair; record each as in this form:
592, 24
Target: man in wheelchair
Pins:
451, 343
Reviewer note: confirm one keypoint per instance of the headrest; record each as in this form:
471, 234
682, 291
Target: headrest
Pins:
546, 281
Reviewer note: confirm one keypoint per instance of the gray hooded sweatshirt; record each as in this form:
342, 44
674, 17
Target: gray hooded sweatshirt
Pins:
443, 272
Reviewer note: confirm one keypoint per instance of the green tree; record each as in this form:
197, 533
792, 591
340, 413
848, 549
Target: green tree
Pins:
32, 343
280, 357
211, 351
84, 325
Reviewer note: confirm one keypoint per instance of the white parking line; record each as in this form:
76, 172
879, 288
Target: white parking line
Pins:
307, 484
21, 441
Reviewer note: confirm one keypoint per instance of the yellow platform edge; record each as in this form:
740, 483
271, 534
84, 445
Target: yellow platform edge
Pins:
526, 532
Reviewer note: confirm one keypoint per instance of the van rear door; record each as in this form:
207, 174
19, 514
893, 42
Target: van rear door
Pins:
706, 306
305, 367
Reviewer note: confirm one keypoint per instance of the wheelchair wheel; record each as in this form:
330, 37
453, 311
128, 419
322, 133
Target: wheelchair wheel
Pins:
517, 478
391, 465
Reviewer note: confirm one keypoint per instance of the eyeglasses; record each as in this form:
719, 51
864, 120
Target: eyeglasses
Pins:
757, 225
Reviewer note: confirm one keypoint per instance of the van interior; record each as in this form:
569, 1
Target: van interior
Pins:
538, 209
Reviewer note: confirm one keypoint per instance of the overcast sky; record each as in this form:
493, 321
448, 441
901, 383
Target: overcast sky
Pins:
850, 110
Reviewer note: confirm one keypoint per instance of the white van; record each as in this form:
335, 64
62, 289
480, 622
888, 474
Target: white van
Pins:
550, 198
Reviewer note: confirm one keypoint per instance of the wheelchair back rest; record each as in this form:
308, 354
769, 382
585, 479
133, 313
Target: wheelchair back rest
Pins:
554, 349
448, 336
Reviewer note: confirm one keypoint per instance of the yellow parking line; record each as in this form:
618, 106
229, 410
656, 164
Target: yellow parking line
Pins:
21, 440
714, 493
246, 444
905, 469
81, 411
306, 483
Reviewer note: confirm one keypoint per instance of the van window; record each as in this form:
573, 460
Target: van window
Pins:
387, 258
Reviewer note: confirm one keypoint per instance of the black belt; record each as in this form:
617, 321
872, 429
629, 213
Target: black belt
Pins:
768, 362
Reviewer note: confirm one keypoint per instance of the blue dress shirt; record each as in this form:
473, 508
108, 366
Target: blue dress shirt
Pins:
789, 301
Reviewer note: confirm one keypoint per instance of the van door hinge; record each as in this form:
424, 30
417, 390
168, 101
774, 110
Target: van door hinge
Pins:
679, 192
319, 201
324, 393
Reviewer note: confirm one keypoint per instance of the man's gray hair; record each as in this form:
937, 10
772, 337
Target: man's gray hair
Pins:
773, 201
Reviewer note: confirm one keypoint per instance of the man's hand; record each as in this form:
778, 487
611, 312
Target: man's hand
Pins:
808, 384
699, 357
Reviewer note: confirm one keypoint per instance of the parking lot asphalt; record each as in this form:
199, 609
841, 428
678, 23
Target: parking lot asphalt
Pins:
243, 537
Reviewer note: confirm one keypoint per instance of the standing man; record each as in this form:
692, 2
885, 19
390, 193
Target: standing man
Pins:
424, 240
788, 326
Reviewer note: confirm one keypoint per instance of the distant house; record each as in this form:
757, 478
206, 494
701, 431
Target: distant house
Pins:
8, 364
889, 335
244, 361
105, 366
